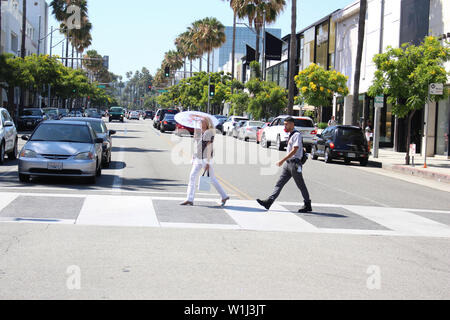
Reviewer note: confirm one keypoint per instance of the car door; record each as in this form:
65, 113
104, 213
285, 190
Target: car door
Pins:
270, 131
322, 141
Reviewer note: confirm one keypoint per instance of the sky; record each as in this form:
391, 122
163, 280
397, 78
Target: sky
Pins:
137, 33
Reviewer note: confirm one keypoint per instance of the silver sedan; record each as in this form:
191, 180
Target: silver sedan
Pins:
61, 148
249, 129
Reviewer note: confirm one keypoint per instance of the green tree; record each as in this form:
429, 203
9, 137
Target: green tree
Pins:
266, 99
403, 75
317, 85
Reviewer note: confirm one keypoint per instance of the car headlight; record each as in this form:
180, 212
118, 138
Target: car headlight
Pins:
84, 156
26, 153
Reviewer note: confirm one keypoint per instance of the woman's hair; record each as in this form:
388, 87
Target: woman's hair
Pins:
210, 125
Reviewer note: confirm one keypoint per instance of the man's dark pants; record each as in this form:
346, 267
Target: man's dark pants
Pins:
290, 171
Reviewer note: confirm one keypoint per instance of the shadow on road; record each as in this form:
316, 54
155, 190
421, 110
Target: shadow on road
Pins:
134, 149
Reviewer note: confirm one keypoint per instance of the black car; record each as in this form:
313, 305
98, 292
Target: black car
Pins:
341, 142
149, 114
102, 131
30, 118
168, 123
160, 115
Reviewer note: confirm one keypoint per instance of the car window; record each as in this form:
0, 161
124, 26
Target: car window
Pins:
62, 132
351, 135
2, 118
29, 112
304, 123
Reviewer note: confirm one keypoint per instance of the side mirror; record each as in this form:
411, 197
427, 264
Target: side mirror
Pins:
25, 137
111, 132
9, 124
258, 128
319, 135
99, 140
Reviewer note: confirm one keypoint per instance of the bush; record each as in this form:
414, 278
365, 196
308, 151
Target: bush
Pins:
322, 125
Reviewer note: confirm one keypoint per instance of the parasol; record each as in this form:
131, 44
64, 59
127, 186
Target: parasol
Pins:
191, 119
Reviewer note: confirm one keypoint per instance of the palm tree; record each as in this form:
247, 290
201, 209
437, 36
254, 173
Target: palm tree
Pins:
361, 27
211, 35
192, 31
235, 5
258, 13
292, 57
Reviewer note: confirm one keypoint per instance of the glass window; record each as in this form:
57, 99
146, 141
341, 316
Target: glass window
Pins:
300, 53
322, 45
32, 112
442, 127
283, 75
62, 132
308, 54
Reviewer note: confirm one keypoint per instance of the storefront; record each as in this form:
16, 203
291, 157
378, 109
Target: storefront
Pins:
442, 128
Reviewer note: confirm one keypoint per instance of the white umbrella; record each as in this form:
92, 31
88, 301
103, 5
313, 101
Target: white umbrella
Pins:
191, 119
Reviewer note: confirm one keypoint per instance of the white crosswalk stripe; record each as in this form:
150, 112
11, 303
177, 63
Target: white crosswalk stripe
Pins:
141, 211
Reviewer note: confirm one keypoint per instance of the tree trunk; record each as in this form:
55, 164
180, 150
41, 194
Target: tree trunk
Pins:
200, 63
292, 57
209, 54
67, 52
361, 30
408, 136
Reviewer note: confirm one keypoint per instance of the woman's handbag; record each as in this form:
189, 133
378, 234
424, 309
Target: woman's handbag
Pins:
204, 182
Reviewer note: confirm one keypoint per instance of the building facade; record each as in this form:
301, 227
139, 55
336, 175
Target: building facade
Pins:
332, 43
11, 28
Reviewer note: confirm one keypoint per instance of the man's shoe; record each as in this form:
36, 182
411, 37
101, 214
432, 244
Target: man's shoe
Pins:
265, 203
187, 203
306, 208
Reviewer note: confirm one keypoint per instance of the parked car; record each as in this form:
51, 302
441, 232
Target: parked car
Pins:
149, 114
61, 148
342, 142
168, 123
274, 132
75, 113
229, 124
30, 118
160, 115
249, 129
51, 113
260, 131
93, 113
102, 131
222, 120
134, 115
181, 130
8, 136
63, 113
116, 113
237, 127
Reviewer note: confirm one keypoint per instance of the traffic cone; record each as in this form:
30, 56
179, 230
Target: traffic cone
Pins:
425, 165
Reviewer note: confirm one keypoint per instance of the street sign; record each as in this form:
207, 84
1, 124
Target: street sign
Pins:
101, 86
162, 91
412, 149
437, 89
379, 101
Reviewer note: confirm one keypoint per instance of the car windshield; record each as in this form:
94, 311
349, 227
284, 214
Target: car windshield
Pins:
98, 126
255, 124
29, 112
62, 132
303, 123
239, 119
52, 111
116, 110
350, 135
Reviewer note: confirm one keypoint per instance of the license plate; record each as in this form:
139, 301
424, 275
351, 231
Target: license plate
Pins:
55, 166
351, 155
29, 123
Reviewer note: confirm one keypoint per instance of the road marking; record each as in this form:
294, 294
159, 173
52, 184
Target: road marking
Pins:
242, 194
118, 211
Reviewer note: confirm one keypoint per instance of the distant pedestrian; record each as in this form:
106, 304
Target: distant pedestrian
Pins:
202, 159
369, 134
332, 122
292, 168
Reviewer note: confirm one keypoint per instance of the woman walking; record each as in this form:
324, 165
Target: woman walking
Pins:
203, 153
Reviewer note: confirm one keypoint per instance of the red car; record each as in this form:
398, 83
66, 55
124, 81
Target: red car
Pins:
181, 130
260, 131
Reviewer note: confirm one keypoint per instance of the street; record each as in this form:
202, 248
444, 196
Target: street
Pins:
369, 236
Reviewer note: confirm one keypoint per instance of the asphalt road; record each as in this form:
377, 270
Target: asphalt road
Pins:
370, 236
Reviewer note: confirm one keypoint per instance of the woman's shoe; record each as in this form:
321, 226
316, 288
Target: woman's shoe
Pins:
225, 201
187, 203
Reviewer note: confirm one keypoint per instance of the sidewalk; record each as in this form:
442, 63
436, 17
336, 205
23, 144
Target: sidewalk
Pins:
438, 167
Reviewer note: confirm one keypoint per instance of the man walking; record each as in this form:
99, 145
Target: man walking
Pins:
292, 168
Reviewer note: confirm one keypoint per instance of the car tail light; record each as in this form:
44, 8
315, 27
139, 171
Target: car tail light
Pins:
331, 145
165, 122
314, 132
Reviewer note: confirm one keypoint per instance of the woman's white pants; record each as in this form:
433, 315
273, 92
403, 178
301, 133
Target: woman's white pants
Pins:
197, 166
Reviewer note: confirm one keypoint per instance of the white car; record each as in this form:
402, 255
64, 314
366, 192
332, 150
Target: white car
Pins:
229, 124
274, 132
134, 115
8, 136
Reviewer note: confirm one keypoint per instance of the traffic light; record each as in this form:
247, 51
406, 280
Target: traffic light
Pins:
167, 72
212, 90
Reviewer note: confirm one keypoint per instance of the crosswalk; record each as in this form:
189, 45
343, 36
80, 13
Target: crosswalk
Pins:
160, 211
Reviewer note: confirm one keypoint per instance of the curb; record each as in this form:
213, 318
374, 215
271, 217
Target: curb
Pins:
441, 177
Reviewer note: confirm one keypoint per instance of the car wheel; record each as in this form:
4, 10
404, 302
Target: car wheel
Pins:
347, 161
162, 130
328, 158
280, 147
24, 178
2, 153
364, 162
314, 154
13, 154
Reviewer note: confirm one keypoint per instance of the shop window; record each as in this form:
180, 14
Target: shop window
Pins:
322, 45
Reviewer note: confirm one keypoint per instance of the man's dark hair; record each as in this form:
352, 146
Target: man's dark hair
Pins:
289, 119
